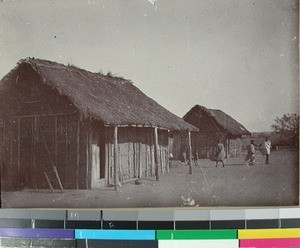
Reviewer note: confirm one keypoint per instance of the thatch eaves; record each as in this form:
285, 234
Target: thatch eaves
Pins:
209, 120
112, 100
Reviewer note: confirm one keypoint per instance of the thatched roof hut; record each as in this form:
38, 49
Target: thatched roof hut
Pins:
214, 125
112, 100
212, 120
71, 128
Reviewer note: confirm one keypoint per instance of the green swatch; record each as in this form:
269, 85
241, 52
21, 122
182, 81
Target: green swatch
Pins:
196, 234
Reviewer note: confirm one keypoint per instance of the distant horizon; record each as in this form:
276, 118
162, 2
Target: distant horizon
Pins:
239, 56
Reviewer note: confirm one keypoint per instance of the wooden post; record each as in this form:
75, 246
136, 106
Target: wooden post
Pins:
88, 155
35, 140
227, 147
140, 161
168, 156
78, 152
19, 141
152, 171
197, 158
11, 143
55, 139
66, 151
116, 166
190, 153
1, 137
134, 159
2, 150
129, 160
156, 153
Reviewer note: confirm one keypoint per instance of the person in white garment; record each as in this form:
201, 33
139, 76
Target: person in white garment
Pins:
266, 149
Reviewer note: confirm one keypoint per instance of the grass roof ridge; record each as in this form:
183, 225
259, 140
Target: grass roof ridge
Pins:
230, 124
109, 77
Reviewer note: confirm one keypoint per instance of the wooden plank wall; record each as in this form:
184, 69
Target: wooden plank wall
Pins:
206, 144
235, 147
1, 149
41, 131
136, 153
33, 145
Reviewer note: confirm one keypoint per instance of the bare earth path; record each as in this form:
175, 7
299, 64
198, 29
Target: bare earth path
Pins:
276, 184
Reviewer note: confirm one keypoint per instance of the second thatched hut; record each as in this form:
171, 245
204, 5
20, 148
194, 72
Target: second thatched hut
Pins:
214, 125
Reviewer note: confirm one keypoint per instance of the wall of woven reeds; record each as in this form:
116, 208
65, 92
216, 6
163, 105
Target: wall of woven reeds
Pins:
136, 153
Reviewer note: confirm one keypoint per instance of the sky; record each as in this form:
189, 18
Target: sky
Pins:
239, 56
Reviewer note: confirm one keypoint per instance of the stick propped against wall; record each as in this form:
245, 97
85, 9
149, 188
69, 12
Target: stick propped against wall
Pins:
58, 178
49, 182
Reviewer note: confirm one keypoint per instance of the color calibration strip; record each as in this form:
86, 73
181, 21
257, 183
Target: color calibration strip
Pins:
150, 228
289, 237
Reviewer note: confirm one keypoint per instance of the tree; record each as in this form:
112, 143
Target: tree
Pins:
288, 124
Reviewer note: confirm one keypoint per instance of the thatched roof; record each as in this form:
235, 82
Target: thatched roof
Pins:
112, 100
211, 120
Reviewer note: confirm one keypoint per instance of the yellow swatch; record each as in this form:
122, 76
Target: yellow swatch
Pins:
269, 233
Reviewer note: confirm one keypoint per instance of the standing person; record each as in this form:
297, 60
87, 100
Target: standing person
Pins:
220, 155
266, 149
250, 157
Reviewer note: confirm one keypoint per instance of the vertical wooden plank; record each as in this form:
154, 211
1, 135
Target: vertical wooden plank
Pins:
129, 156
3, 158
55, 139
134, 155
106, 148
11, 145
116, 166
161, 151
140, 161
34, 145
66, 151
190, 153
227, 146
156, 153
7, 155
147, 152
168, 154
88, 155
32, 173
152, 157
148, 160
78, 152
19, 144
1, 149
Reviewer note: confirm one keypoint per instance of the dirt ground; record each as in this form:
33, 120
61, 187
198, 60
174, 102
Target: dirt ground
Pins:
276, 184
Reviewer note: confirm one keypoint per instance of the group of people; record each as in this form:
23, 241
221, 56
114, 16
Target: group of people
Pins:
265, 148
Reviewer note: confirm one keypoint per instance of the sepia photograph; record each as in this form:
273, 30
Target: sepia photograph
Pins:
149, 103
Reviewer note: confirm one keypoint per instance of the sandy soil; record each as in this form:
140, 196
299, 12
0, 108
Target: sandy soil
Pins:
276, 184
